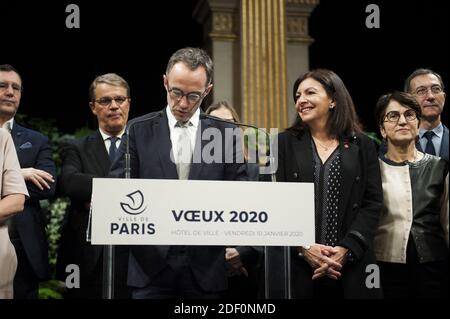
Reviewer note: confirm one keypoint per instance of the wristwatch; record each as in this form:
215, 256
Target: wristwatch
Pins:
300, 253
350, 257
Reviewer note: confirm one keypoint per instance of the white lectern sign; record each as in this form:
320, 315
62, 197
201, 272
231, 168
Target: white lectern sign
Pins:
187, 212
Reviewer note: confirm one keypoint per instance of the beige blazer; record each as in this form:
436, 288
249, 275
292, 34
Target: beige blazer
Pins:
11, 182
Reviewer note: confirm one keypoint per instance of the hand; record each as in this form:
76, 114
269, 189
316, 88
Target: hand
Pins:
339, 254
318, 257
38, 177
234, 260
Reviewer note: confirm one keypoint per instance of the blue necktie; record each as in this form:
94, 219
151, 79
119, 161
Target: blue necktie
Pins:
113, 148
429, 147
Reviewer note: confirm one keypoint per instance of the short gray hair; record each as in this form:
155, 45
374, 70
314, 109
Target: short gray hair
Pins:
193, 58
418, 72
111, 79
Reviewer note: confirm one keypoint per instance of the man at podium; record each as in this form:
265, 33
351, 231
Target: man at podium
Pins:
168, 145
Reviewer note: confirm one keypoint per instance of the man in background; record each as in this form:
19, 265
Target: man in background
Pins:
83, 160
428, 89
27, 229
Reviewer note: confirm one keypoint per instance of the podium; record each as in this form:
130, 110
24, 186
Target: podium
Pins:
218, 213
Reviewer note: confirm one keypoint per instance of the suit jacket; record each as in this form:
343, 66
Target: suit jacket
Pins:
150, 148
443, 153
34, 150
359, 206
82, 160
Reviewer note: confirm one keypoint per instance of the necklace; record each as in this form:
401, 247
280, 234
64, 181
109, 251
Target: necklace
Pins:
326, 147
415, 158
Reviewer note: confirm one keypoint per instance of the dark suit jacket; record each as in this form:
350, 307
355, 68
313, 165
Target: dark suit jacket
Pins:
34, 150
443, 153
82, 160
359, 206
150, 148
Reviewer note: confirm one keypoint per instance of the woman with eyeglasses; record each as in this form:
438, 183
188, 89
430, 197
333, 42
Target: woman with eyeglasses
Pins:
13, 192
411, 243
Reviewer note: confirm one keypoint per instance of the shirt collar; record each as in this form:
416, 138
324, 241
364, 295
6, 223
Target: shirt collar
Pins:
438, 130
8, 125
173, 121
106, 136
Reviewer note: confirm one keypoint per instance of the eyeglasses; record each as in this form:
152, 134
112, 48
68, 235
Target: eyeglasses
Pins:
191, 97
106, 100
394, 116
422, 91
16, 87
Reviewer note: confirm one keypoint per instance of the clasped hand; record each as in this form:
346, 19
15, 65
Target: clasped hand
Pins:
326, 260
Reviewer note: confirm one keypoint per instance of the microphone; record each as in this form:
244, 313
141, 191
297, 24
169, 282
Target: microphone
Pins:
267, 135
109, 250
127, 153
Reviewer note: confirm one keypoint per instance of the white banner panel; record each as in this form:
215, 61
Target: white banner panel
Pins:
187, 212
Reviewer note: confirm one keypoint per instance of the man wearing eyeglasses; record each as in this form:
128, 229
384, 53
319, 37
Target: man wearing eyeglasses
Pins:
27, 229
82, 160
428, 89
165, 145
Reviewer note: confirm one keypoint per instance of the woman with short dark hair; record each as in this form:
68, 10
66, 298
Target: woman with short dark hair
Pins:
411, 243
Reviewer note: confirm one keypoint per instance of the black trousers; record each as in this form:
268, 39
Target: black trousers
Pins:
414, 279
26, 282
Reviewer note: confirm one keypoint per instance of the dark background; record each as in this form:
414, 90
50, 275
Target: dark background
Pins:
136, 38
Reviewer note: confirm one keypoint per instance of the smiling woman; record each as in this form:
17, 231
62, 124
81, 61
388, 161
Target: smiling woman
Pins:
325, 147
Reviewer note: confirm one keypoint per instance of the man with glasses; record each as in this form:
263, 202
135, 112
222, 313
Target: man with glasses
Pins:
82, 160
427, 88
27, 229
165, 145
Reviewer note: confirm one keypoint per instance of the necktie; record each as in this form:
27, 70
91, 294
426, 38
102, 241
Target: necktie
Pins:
113, 148
184, 151
429, 147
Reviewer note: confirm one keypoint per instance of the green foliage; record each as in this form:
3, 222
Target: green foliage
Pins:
51, 289
55, 215
56, 208
49, 128
373, 136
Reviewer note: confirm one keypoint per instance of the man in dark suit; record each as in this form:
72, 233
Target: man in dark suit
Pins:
174, 133
27, 230
82, 160
428, 89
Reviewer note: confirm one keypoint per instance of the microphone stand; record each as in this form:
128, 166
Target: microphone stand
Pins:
109, 250
286, 258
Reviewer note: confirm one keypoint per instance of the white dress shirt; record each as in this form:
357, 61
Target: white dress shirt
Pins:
107, 141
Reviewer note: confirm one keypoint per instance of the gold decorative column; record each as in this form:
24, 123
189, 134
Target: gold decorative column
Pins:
263, 63
259, 48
